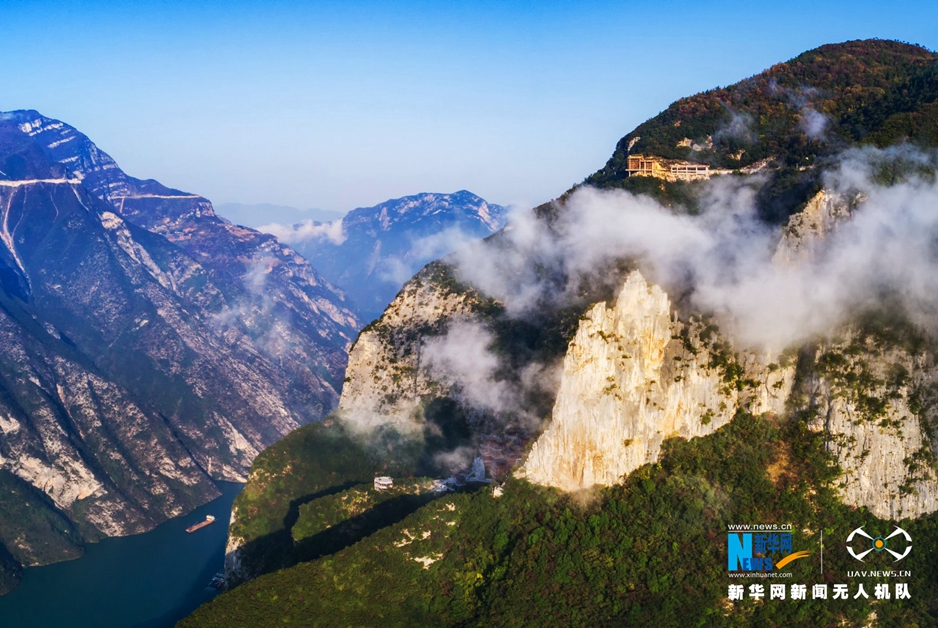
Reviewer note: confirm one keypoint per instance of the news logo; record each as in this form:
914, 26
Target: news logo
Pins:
761, 548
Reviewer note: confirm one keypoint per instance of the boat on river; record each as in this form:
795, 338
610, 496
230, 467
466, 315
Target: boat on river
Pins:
198, 526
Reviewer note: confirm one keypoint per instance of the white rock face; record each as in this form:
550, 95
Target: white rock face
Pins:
629, 381
384, 381
887, 459
875, 455
808, 228
635, 375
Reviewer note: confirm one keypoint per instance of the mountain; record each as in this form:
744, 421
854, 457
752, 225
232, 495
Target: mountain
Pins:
699, 339
256, 215
794, 115
372, 251
149, 346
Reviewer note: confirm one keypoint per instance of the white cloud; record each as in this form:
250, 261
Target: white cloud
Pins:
813, 123
722, 257
463, 356
307, 230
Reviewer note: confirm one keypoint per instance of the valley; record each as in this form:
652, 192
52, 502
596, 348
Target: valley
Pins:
682, 392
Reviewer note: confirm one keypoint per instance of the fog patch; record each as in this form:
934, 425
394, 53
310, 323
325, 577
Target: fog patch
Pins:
723, 256
306, 231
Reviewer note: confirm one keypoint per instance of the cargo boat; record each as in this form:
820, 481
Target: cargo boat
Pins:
198, 526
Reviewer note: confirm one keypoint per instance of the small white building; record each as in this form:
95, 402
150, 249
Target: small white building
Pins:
383, 483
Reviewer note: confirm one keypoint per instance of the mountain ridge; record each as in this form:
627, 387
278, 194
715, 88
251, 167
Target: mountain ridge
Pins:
371, 251
147, 340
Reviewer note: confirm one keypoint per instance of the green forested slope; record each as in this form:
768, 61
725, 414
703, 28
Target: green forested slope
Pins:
648, 552
798, 114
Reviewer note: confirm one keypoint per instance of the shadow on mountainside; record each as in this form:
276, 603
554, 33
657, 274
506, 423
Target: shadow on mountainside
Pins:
273, 551
352, 530
278, 550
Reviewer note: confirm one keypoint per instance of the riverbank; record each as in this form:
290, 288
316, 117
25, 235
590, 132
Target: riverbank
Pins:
149, 580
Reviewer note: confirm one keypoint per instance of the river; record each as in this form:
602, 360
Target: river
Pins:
150, 580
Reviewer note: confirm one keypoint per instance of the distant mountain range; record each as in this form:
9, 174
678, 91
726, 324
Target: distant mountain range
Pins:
259, 214
372, 251
145, 342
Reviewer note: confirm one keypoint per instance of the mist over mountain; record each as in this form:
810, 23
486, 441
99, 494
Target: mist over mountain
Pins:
149, 346
256, 215
732, 321
372, 251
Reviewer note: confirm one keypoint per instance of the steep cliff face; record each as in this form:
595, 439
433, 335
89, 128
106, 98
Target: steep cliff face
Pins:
400, 414
273, 299
870, 392
806, 230
635, 375
876, 404
145, 341
384, 390
115, 467
385, 381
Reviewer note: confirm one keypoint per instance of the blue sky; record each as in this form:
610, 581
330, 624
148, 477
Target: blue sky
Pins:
339, 105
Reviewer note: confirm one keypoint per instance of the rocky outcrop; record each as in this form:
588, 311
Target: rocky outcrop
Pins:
385, 380
234, 570
635, 375
884, 448
806, 230
878, 410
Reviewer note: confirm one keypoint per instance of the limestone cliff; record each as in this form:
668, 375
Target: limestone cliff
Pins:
872, 395
385, 380
634, 375
807, 229
877, 406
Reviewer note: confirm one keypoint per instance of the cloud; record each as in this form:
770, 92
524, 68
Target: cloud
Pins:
724, 257
398, 269
307, 230
465, 366
739, 127
255, 276
769, 290
456, 460
463, 356
813, 123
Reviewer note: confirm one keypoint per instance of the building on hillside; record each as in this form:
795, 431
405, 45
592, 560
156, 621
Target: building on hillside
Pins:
667, 169
687, 171
383, 483
641, 166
